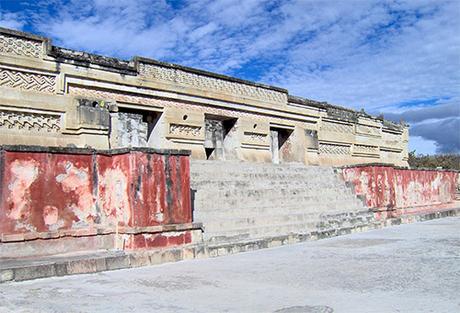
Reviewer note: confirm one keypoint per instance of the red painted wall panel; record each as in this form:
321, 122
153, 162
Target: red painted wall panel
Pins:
387, 188
46, 191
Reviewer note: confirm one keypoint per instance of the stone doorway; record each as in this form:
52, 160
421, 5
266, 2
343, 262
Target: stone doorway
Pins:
134, 128
278, 138
217, 129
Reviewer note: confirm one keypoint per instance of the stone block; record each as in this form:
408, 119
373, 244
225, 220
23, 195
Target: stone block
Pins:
172, 256
82, 266
60, 269
117, 262
6, 275
188, 253
275, 243
213, 252
33, 272
155, 257
94, 116
222, 251
139, 259
201, 252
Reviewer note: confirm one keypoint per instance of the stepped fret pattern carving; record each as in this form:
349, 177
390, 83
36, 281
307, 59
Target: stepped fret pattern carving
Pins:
27, 121
333, 149
391, 137
181, 77
20, 46
366, 149
184, 130
368, 130
338, 128
146, 100
141, 99
27, 81
256, 136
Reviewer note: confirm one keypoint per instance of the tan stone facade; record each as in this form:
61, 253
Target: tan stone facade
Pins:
57, 97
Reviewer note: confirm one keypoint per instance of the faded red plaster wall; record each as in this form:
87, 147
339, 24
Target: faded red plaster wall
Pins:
389, 188
43, 191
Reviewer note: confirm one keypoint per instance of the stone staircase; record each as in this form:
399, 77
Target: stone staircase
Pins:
249, 202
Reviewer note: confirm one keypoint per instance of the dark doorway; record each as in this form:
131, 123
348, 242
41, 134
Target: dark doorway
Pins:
216, 130
135, 127
278, 138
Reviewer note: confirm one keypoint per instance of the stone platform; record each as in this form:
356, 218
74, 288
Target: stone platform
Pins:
105, 260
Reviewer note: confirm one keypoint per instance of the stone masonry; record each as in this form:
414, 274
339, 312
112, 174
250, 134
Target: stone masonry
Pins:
146, 103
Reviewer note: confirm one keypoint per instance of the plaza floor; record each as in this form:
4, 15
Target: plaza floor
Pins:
407, 268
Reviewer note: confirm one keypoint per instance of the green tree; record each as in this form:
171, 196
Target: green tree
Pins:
445, 161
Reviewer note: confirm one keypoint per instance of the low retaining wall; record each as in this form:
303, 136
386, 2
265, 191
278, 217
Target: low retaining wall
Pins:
391, 191
127, 198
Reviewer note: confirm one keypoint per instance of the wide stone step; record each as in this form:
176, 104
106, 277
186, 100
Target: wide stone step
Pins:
235, 182
224, 169
258, 184
259, 232
259, 174
275, 201
198, 164
227, 209
282, 205
218, 225
222, 174
223, 216
251, 193
291, 228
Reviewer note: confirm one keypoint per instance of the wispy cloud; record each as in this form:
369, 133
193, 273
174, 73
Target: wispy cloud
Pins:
390, 57
11, 20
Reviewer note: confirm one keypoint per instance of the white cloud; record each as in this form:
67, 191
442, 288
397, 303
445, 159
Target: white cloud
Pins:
373, 67
11, 20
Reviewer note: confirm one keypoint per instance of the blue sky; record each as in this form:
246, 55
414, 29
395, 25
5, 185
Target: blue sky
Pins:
399, 58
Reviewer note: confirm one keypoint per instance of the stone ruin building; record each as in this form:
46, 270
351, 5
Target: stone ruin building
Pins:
110, 156
53, 96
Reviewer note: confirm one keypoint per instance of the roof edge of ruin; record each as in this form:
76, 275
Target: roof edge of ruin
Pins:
139, 59
325, 105
126, 66
18, 33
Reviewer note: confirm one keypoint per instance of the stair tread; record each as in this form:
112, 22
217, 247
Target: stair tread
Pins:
243, 200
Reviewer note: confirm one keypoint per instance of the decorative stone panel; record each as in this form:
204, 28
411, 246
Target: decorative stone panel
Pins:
256, 137
365, 149
311, 137
30, 122
325, 148
337, 127
146, 100
184, 130
20, 46
341, 114
181, 77
368, 130
27, 81
391, 137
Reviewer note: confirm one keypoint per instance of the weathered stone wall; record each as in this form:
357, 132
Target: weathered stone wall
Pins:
393, 191
43, 87
50, 194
